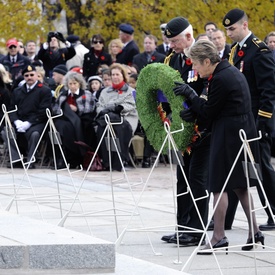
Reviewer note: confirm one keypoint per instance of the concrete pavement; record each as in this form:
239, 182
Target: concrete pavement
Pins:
95, 210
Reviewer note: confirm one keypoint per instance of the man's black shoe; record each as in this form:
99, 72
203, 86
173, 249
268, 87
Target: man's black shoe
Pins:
187, 240
166, 238
269, 226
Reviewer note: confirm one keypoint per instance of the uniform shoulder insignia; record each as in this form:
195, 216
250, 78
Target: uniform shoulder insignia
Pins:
258, 42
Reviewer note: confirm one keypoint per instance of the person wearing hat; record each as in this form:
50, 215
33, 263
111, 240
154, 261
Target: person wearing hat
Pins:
96, 57
254, 59
130, 48
32, 100
80, 51
164, 47
180, 35
58, 75
51, 54
15, 61
95, 85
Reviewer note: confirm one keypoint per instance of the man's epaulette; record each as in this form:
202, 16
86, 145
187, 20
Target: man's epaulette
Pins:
258, 42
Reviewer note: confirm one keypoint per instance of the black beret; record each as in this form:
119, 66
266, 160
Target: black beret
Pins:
61, 69
72, 38
232, 17
176, 26
29, 68
127, 28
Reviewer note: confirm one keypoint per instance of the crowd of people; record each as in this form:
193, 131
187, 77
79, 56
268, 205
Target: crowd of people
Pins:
85, 84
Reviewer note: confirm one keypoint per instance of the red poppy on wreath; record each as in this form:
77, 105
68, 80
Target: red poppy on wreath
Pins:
240, 53
188, 61
40, 85
102, 57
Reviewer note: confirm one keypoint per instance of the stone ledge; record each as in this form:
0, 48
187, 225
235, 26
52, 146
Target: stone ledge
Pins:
32, 244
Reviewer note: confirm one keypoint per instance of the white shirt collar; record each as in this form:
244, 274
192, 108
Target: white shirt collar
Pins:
76, 93
241, 43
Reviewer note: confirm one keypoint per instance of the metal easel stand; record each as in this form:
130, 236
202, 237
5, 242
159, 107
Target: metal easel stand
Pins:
112, 146
10, 134
251, 171
175, 226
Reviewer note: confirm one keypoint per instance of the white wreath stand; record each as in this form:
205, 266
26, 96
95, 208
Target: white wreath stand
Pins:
112, 146
248, 156
175, 226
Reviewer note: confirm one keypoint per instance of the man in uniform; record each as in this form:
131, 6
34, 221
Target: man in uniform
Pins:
180, 34
32, 99
253, 58
130, 48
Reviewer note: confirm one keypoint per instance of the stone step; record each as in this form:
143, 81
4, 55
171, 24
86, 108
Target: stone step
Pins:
28, 244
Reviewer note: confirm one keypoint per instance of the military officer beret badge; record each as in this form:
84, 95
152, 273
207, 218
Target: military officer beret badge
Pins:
232, 17
127, 28
176, 26
29, 68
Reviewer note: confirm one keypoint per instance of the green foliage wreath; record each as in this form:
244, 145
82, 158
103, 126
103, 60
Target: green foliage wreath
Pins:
154, 77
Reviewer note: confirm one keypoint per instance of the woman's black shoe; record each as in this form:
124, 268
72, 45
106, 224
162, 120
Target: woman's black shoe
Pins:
221, 243
258, 237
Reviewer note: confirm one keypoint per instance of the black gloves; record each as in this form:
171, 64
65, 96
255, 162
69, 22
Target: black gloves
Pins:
187, 115
265, 125
57, 35
60, 37
115, 109
185, 90
118, 109
50, 35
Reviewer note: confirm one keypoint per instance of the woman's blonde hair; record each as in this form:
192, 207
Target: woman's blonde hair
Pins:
114, 41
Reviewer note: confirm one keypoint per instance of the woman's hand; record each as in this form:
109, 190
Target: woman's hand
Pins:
73, 108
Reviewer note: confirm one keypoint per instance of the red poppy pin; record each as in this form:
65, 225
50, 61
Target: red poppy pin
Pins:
188, 61
153, 58
83, 97
120, 92
240, 53
40, 85
210, 77
102, 57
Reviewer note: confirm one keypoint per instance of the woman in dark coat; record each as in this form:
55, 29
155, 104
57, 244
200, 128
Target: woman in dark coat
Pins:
76, 124
229, 108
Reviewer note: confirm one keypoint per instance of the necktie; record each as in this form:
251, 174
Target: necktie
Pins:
236, 52
13, 60
183, 58
167, 49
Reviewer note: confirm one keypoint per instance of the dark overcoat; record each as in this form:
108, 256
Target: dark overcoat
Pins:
229, 108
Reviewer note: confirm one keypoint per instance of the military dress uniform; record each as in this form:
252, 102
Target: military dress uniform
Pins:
254, 59
195, 164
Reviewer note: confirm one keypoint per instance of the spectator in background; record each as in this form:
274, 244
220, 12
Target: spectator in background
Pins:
96, 56
219, 40
130, 48
80, 50
163, 48
51, 54
133, 80
202, 36
95, 85
117, 101
106, 78
270, 42
59, 73
14, 61
150, 55
115, 46
21, 48
31, 51
209, 27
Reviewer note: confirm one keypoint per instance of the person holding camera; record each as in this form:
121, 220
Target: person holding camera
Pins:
51, 54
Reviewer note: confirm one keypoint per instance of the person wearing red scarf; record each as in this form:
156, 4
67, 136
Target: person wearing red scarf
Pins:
118, 102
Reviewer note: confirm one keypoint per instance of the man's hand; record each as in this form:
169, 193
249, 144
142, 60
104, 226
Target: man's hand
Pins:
187, 115
185, 90
50, 36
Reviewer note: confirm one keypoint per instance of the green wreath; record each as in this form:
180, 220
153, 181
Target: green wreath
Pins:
154, 77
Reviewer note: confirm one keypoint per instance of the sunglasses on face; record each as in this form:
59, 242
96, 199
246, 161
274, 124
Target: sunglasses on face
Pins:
11, 47
27, 75
98, 42
21, 46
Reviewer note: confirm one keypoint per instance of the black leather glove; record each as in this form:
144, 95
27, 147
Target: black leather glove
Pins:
185, 90
187, 115
104, 112
50, 35
264, 125
118, 109
60, 37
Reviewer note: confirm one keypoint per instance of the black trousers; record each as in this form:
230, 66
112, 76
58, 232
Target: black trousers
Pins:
196, 171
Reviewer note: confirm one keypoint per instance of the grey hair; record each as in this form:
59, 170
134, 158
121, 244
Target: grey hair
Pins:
189, 29
204, 49
77, 77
